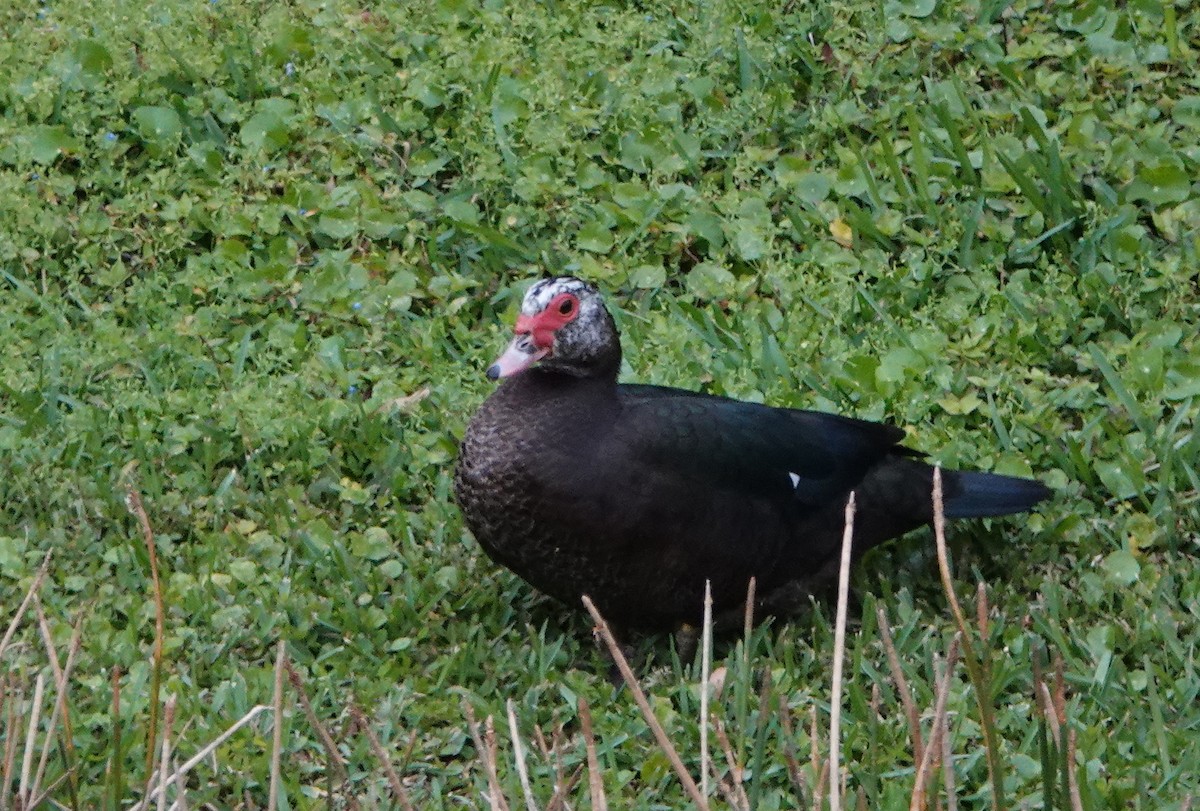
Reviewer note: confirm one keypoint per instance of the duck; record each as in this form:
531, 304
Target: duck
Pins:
639, 495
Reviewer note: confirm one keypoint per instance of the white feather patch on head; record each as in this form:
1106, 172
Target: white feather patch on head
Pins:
795, 480
538, 297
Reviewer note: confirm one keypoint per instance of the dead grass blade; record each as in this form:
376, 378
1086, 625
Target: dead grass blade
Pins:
195, 759
62, 679
732, 788
519, 756
398, 790
277, 731
133, 500
35, 714
748, 620
595, 777
332, 756
906, 699
705, 687
789, 752
660, 735
15, 622
164, 768
1072, 781
918, 800
485, 745
14, 699
820, 767
976, 667
839, 656
948, 782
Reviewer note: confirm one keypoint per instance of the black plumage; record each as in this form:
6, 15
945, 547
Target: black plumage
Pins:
635, 495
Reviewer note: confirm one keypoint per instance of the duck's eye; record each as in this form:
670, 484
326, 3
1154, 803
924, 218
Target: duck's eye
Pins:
567, 306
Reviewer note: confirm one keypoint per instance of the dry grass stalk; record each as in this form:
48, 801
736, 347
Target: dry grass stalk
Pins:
35, 711
563, 790
277, 731
839, 656
133, 501
1072, 782
563, 786
164, 768
906, 699
332, 755
981, 611
543, 746
948, 782
1060, 690
489, 741
918, 799
62, 679
748, 620
822, 782
660, 734
939, 532
180, 790
195, 759
1047, 703
14, 698
789, 752
398, 790
705, 687
818, 765
976, 667
44, 797
595, 777
114, 764
519, 756
34, 587
485, 746
732, 786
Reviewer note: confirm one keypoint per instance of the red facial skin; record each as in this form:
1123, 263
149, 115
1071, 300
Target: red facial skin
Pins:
561, 310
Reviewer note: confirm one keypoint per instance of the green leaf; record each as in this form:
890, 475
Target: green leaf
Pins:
1121, 482
160, 126
1186, 112
709, 280
265, 130
244, 571
648, 276
916, 8
812, 187
12, 556
899, 364
463, 211
94, 59
339, 225
1161, 183
47, 143
966, 404
1122, 567
594, 237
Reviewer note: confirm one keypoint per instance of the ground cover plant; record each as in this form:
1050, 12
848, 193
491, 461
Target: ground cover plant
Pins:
255, 258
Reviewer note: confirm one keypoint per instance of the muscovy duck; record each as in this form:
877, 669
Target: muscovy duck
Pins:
636, 495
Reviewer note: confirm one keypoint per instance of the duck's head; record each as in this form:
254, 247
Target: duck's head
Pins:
563, 327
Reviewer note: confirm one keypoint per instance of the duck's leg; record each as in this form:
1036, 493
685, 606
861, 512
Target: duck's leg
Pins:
624, 649
687, 639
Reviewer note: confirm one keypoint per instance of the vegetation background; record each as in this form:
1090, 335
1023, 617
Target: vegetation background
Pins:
256, 255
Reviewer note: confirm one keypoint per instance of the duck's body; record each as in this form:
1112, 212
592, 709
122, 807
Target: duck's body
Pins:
636, 495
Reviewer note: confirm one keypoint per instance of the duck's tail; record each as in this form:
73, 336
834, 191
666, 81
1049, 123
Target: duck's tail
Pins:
976, 495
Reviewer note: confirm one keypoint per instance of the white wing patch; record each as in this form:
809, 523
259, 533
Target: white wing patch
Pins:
795, 479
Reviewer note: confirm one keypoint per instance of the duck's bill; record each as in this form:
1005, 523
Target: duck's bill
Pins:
519, 356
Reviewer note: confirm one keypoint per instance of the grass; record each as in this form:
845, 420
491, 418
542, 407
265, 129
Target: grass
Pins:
256, 257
